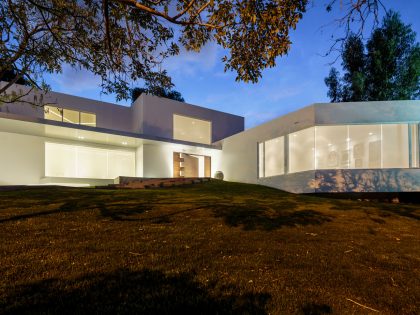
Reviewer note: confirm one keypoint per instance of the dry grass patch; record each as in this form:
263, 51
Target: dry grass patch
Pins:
214, 248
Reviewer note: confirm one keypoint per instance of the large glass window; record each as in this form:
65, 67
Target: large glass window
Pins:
192, 129
395, 146
274, 157
302, 150
414, 144
62, 160
271, 157
365, 146
351, 146
332, 149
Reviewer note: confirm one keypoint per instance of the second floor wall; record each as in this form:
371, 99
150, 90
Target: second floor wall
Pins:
148, 115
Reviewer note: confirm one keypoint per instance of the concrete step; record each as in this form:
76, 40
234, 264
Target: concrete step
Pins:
149, 183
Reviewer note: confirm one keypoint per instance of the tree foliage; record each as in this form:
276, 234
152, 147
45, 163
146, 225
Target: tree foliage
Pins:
157, 91
126, 40
386, 68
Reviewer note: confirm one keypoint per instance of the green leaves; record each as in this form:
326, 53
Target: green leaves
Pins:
126, 40
387, 68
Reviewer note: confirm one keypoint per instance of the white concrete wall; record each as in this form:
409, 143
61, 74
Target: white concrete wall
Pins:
109, 116
157, 160
157, 117
367, 112
21, 159
239, 159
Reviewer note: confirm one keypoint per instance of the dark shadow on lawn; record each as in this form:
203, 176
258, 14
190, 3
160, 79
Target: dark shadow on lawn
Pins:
316, 309
121, 212
261, 218
126, 292
381, 209
69, 206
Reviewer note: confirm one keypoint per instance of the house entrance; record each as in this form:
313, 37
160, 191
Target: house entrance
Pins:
191, 165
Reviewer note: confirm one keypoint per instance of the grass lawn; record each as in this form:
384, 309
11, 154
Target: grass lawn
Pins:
213, 248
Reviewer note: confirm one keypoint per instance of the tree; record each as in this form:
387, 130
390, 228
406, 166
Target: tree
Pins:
334, 86
157, 91
388, 68
393, 61
9, 75
126, 40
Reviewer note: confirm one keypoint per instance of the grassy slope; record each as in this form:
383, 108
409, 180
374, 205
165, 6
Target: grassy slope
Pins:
209, 248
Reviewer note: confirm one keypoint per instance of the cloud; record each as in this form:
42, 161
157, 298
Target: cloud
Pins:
75, 80
189, 63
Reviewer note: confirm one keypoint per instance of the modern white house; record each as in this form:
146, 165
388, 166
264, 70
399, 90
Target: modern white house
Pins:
343, 147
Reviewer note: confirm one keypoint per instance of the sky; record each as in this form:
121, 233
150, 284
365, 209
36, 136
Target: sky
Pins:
295, 82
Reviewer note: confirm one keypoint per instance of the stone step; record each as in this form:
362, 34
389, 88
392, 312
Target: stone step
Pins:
149, 183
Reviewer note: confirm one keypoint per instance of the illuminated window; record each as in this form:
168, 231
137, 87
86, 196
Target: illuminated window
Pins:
261, 159
69, 116
414, 144
87, 119
332, 147
274, 157
53, 113
62, 160
192, 129
395, 146
302, 150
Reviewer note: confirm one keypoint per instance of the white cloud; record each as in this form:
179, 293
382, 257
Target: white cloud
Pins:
75, 80
189, 63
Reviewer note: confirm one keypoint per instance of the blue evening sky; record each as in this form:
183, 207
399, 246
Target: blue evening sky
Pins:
296, 81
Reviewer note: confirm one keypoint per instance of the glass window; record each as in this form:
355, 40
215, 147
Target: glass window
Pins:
71, 116
365, 146
414, 144
395, 146
332, 150
88, 119
261, 159
274, 157
62, 160
192, 129
120, 163
92, 163
301, 150
53, 113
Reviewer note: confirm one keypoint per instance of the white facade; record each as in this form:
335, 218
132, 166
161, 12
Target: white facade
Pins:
345, 147
371, 146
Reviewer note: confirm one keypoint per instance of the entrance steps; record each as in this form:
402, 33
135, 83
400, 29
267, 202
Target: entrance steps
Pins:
145, 183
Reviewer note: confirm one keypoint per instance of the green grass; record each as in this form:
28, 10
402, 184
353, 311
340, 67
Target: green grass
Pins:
214, 248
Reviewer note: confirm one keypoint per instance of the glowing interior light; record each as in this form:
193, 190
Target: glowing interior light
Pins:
81, 137
124, 143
